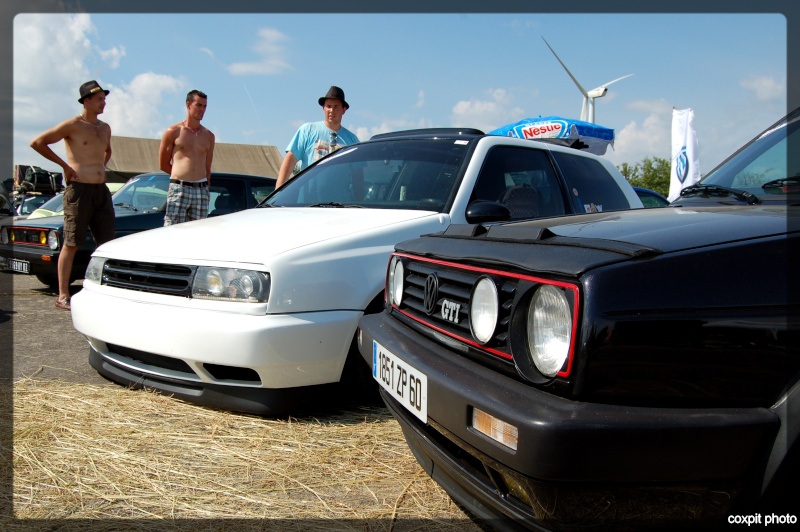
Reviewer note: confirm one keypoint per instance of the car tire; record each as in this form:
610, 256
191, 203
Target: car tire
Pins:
51, 282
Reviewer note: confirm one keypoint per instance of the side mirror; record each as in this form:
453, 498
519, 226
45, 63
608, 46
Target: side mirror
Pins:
487, 211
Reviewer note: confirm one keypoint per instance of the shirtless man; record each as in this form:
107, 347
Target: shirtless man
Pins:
87, 200
185, 153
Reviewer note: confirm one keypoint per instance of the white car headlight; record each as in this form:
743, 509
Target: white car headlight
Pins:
549, 329
483, 310
231, 284
94, 270
4, 235
52, 239
394, 284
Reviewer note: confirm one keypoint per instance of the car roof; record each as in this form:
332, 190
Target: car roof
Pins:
441, 132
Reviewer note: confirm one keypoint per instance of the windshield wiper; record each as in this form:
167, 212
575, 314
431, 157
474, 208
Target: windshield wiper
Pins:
716, 190
336, 204
783, 182
126, 206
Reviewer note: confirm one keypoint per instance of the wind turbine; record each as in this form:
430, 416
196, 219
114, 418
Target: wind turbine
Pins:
587, 110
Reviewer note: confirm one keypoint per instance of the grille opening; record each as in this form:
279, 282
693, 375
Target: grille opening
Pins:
232, 373
152, 359
172, 279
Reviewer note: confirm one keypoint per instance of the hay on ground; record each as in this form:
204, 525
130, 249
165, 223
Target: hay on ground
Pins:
107, 452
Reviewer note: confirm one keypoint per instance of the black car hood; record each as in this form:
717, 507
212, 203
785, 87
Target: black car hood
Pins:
571, 245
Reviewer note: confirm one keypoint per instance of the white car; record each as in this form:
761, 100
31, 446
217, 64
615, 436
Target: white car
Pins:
257, 311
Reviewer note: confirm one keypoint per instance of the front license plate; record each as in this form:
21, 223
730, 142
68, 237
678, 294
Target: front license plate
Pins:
405, 383
21, 266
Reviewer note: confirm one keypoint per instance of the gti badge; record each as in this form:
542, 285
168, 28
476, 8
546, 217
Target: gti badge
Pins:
431, 293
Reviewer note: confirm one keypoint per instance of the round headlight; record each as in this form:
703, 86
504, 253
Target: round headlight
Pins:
395, 282
52, 239
214, 283
246, 286
483, 310
4, 235
549, 329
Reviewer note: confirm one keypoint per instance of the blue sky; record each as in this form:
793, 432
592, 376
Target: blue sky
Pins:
264, 72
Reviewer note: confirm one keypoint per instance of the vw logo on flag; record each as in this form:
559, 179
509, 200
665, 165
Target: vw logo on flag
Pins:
431, 293
682, 165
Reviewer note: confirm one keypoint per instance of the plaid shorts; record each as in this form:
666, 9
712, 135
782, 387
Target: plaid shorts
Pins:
186, 201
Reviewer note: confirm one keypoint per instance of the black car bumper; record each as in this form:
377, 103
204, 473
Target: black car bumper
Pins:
576, 463
41, 259
259, 401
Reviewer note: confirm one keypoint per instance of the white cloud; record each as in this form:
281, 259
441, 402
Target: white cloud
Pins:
208, 52
113, 56
134, 110
486, 114
386, 126
62, 49
764, 88
650, 137
420, 99
271, 51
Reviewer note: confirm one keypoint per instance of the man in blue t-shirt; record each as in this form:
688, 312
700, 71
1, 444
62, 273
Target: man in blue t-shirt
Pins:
315, 140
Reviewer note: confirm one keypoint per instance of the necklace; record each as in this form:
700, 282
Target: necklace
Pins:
192, 130
98, 124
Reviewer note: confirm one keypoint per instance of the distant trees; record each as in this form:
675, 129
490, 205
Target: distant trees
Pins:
651, 172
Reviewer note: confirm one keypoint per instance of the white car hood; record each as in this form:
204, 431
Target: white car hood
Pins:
255, 235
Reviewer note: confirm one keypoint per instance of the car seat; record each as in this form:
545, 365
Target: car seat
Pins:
522, 201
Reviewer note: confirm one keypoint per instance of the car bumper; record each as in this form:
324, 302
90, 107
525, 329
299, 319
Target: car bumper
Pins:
676, 462
179, 344
41, 260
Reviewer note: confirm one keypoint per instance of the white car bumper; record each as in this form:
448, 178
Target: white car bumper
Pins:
198, 346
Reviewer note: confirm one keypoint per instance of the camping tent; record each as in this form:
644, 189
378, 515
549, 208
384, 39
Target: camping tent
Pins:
131, 156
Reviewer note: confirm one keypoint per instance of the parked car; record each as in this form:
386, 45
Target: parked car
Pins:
263, 304
55, 205
650, 198
764, 171
607, 369
52, 207
6, 204
27, 202
33, 247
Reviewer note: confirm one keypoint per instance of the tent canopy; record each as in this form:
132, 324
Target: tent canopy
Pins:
131, 156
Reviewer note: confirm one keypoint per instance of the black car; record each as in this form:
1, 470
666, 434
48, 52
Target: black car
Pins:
630, 369
764, 171
34, 247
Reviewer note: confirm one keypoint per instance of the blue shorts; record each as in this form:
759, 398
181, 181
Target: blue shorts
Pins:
186, 201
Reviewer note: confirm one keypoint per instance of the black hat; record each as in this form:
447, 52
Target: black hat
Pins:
335, 93
89, 88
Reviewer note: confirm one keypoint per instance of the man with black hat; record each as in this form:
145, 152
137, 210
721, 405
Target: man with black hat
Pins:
314, 140
87, 200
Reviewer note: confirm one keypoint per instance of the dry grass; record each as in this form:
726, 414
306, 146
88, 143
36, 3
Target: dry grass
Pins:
101, 453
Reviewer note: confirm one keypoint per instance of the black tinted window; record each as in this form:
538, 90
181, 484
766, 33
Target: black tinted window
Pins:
591, 187
226, 196
396, 174
523, 180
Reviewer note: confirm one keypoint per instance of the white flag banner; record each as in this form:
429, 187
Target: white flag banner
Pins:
685, 169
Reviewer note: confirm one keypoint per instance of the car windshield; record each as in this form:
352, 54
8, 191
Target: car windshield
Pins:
143, 193
763, 167
31, 203
391, 174
54, 204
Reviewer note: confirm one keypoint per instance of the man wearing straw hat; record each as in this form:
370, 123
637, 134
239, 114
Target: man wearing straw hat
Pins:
87, 200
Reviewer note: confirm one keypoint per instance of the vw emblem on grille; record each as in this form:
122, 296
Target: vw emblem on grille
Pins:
431, 293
